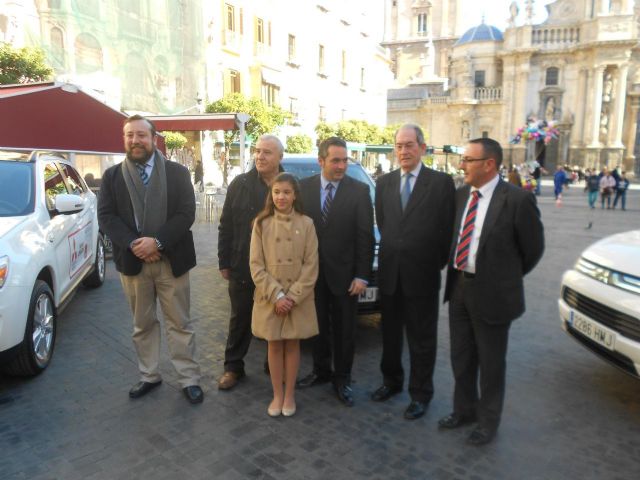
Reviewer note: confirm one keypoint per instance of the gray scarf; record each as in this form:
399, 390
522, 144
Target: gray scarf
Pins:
150, 202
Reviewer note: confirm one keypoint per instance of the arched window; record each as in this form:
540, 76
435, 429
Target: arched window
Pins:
57, 46
88, 53
551, 77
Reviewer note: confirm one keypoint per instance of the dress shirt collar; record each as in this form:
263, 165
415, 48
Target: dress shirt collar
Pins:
324, 182
486, 191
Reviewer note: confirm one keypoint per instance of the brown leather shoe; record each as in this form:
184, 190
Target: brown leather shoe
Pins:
229, 380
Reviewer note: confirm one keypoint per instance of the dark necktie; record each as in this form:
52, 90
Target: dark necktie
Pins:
464, 242
326, 206
406, 190
142, 170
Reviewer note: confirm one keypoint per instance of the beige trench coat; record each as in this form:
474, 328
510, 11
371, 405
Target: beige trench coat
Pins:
284, 258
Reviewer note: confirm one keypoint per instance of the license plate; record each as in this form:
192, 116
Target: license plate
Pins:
591, 329
369, 295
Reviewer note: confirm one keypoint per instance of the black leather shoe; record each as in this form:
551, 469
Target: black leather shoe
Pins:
312, 380
345, 394
455, 420
142, 388
415, 410
481, 436
193, 393
385, 393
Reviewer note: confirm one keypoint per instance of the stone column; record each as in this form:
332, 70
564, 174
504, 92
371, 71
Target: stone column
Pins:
631, 130
598, 74
621, 98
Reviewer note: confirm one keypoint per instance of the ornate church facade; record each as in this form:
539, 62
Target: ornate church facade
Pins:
578, 71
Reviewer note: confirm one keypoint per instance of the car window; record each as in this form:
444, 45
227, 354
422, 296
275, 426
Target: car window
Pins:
16, 189
73, 178
53, 184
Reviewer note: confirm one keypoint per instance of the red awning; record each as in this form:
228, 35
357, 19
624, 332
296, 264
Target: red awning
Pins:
183, 123
52, 116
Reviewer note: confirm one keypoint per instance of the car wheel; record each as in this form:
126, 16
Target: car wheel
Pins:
97, 276
36, 350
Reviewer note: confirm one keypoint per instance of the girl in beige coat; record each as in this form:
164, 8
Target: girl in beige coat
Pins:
284, 267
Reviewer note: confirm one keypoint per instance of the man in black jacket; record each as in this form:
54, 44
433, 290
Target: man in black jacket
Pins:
245, 199
147, 207
343, 217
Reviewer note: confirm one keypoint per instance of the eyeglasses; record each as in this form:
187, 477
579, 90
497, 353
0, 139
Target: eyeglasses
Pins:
471, 160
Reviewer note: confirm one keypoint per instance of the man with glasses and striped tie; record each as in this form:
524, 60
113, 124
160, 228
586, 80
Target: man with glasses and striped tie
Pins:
498, 239
147, 207
343, 216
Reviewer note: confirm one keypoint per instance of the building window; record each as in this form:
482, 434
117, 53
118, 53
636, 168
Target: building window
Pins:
551, 76
422, 24
259, 30
270, 93
344, 67
362, 78
322, 114
231, 17
232, 82
293, 110
292, 48
88, 54
241, 22
57, 46
321, 58
479, 78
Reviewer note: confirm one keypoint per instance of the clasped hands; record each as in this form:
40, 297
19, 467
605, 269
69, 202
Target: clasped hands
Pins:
284, 306
145, 249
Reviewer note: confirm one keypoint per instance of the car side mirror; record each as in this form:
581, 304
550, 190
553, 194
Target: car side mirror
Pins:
68, 204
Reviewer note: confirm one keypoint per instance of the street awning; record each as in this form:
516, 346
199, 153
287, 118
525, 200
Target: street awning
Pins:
55, 116
203, 122
379, 148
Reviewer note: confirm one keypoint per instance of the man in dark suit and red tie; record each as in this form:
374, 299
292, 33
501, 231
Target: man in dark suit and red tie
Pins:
343, 216
498, 239
415, 211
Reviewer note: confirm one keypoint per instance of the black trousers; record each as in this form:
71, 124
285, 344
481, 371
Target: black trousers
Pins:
419, 316
478, 349
239, 338
337, 327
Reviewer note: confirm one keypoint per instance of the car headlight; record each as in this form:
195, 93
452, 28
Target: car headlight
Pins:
4, 270
621, 280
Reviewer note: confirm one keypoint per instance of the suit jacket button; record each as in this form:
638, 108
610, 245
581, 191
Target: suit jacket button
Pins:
277, 239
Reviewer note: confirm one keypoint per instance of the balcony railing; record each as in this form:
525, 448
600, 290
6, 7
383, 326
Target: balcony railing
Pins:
555, 37
488, 93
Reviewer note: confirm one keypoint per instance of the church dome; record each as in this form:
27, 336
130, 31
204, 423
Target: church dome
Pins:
481, 33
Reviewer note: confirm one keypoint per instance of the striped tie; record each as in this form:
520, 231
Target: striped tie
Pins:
326, 206
464, 242
142, 170
406, 190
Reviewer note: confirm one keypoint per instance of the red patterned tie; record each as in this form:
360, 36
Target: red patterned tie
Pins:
464, 242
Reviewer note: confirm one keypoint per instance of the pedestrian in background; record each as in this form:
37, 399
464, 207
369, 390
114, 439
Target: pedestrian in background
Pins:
559, 181
245, 199
514, 177
146, 207
498, 239
284, 269
607, 186
592, 186
198, 176
621, 191
341, 209
415, 212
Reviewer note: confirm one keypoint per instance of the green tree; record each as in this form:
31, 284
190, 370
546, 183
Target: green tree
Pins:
299, 144
263, 119
22, 65
325, 130
387, 136
174, 141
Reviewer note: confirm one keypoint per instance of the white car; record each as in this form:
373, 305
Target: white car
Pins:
600, 300
49, 245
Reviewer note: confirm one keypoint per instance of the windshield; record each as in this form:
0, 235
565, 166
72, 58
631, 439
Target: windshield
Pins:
16, 189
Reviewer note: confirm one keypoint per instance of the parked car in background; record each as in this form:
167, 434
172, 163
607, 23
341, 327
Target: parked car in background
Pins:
307, 165
49, 245
600, 300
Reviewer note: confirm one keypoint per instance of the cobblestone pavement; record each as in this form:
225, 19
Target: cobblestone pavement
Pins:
568, 415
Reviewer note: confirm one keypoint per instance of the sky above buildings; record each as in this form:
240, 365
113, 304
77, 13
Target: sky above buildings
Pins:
496, 12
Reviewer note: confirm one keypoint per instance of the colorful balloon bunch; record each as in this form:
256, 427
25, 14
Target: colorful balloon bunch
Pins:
536, 131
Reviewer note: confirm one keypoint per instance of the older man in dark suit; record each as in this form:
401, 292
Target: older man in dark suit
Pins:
343, 216
499, 239
146, 207
414, 210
